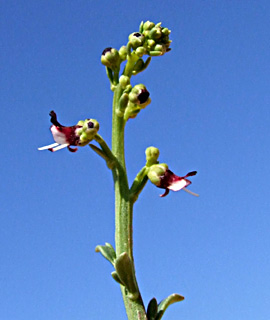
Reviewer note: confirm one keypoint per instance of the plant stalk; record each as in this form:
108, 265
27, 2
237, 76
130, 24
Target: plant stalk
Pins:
123, 207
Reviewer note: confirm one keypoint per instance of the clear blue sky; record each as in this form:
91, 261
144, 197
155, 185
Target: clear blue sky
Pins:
210, 112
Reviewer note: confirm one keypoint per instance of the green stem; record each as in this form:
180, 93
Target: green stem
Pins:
123, 207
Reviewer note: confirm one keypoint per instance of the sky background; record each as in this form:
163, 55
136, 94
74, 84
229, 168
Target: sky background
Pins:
210, 112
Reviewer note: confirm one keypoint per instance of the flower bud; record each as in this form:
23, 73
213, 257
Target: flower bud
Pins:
139, 95
110, 58
152, 155
140, 51
136, 39
123, 53
124, 81
148, 25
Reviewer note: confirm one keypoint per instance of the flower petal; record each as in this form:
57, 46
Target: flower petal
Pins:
179, 184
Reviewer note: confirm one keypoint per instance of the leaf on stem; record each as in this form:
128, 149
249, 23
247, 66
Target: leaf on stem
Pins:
164, 304
126, 274
116, 278
152, 309
107, 251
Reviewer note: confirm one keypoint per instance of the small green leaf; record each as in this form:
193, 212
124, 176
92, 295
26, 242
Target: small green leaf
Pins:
107, 251
164, 304
116, 277
125, 271
152, 309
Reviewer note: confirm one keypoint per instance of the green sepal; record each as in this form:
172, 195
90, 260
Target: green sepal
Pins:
164, 304
152, 309
115, 276
141, 27
109, 73
107, 251
126, 274
138, 67
147, 62
123, 102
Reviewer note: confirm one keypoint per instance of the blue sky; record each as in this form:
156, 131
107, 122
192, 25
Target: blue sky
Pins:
209, 112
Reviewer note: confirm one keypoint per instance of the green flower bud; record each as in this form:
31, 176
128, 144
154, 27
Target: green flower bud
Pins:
140, 51
139, 95
152, 155
110, 58
123, 53
136, 39
124, 81
88, 132
148, 25
155, 33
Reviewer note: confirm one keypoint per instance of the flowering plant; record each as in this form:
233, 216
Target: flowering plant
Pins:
151, 40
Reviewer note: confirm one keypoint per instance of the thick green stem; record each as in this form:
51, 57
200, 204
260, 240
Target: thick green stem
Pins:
123, 207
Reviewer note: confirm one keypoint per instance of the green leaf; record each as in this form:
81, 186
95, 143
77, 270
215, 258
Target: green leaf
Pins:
164, 304
116, 278
125, 271
107, 251
152, 309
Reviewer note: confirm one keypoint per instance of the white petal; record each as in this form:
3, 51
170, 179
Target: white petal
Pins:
58, 136
190, 192
49, 146
178, 185
61, 146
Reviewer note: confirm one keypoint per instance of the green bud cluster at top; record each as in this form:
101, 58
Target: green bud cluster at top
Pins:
87, 130
152, 40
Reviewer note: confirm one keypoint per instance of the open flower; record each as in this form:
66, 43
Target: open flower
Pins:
79, 135
162, 177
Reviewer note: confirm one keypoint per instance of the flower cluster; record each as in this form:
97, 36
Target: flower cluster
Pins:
152, 39
79, 135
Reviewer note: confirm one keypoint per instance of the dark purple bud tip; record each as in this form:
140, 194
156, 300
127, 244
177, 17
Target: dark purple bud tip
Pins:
106, 50
192, 173
143, 96
137, 34
90, 124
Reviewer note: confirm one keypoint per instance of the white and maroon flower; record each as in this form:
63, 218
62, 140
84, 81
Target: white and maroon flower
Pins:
162, 177
79, 135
